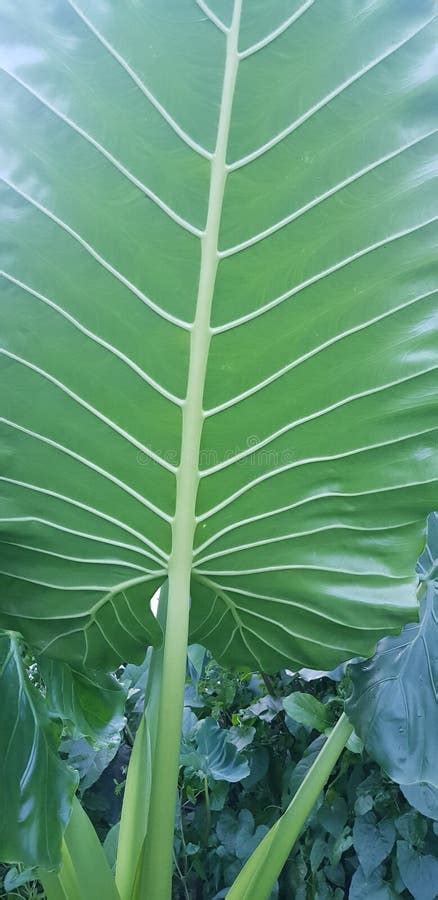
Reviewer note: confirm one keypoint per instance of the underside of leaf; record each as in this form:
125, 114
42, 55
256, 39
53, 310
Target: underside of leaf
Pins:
218, 284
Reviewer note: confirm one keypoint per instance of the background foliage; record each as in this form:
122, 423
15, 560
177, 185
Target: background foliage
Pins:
247, 743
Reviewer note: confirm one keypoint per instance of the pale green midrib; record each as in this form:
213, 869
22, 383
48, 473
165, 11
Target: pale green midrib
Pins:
188, 474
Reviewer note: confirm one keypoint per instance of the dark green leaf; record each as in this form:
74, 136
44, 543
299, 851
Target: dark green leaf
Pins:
333, 815
394, 706
307, 710
15, 878
89, 762
423, 797
241, 735
372, 888
373, 842
214, 755
412, 827
93, 702
419, 873
110, 845
37, 787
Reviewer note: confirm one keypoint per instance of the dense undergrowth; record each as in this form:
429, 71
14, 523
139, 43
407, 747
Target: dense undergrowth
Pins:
248, 741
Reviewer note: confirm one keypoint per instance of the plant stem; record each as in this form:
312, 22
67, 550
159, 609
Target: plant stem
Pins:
136, 799
156, 864
260, 872
207, 810
84, 872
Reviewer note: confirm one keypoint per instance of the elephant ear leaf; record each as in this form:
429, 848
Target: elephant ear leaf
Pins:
217, 357
214, 755
37, 787
89, 702
394, 701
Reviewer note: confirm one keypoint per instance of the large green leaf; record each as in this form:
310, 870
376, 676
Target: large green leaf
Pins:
218, 283
36, 785
394, 699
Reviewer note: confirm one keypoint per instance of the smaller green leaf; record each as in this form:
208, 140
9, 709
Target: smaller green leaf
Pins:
419, 873
92, 702
15, 878
301, 769
189, 723
373, 841
110, 846
307, 710
412, 827
266, 709
214, 755
354, 743
241, 735
319, 851
196, 656
192, 849
333, 816
37, 787
372, 888
422, 796
218, 795
248, 837
341, 845
364, 804
88, 762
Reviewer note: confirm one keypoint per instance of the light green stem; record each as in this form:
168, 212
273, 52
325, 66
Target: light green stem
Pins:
260, 872
136, 798
155, 877
156, 865
85, 873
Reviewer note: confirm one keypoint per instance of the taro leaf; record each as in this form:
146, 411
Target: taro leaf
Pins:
307, 710
238, 833
373, 841
37, 787
301, 769
92, 702
393, 705
196, 656
333, 816
189, 723
258, 761
218, 794
134, 678
412, 827
241, 735
342, 843
215, 755
110, 845
218, 276
248, 836
89, 762
266, 709
427, 566
14, 878
422, 796
372, 888
419, 873
319, 851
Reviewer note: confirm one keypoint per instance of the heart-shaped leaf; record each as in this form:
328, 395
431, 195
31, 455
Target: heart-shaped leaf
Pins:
217, 356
